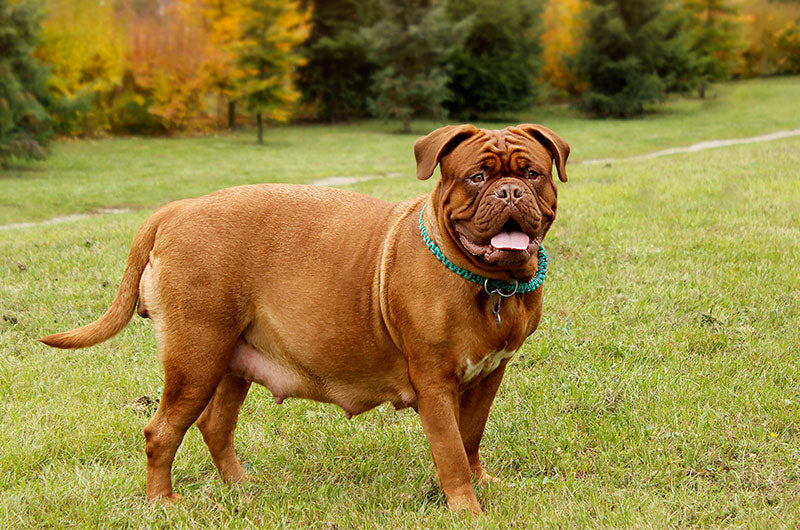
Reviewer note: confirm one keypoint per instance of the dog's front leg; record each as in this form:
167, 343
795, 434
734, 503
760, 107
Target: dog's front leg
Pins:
474, 407
438, 411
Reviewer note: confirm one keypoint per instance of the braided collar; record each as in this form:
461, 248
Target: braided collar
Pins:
488, 284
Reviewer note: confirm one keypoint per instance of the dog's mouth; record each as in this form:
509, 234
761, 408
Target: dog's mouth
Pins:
510, 245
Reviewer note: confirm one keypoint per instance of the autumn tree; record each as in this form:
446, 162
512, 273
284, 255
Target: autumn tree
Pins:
223, 20
771, 38
563, 23
412, 43
172, 63
84, 43
271, 32
495, 64
25, 125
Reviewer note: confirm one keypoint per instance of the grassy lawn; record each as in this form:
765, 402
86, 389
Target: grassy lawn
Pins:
661, 390
143, 173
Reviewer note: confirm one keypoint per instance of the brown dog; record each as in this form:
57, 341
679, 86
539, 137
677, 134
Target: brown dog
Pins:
333, 296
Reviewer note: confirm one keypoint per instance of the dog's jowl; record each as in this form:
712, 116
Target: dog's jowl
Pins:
330, 295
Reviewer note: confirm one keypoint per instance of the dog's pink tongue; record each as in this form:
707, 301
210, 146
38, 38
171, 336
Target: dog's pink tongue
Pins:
511, 241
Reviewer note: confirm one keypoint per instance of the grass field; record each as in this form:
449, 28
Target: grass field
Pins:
661, 390
143, 173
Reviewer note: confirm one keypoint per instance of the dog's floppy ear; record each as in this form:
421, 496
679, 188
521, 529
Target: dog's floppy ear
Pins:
430, 149
553, 142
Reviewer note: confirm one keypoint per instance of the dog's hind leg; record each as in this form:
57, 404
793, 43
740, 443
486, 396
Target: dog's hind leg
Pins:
218, 422
194, 365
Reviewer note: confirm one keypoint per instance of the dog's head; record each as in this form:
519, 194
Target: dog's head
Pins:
497, 197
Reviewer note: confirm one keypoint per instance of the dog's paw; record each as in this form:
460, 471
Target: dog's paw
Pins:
236, 478
467, 503
483, 478
167, 500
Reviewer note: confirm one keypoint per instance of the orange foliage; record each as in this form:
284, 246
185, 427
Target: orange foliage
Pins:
772, 38
161, 65
172, 62
561, 42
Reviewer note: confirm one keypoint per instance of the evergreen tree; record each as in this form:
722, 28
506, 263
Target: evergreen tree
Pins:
337, 77
678, 65
412, 44
495, 68
634, 53
268, 55
25, 125
715, 30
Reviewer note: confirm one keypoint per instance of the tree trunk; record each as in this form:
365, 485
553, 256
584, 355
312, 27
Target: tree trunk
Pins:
231, 114
702, 90
406, 125
260, 123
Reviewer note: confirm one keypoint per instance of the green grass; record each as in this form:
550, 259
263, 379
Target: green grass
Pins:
143, 173
661, 390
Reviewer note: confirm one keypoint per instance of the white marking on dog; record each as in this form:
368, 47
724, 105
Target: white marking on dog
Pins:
485, 366
149, 292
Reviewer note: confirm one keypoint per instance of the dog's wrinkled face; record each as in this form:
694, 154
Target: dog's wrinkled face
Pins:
497, 196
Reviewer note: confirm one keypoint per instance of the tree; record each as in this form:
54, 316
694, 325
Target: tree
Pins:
634, 53
564, 28
412, 44
336, 78
715, 30
84, 44
25, 124
268, 53
494, 69
771, 38
171, 61
223, 20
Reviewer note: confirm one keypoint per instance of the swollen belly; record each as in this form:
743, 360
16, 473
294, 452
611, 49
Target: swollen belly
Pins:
284, 381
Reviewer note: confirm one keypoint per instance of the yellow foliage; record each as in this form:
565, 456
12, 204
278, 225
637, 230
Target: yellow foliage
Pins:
85, 46
273, 31
561, 42
172, 62
175, 61
772, 38
223, 22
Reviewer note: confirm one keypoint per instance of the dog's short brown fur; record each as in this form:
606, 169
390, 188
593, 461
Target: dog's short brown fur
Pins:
333, 296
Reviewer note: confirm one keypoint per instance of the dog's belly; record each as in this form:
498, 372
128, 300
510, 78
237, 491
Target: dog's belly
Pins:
286, 379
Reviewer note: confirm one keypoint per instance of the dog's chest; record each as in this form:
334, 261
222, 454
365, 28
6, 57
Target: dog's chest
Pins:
480, 368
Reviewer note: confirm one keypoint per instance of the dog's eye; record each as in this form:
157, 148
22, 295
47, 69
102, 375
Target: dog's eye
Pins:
533, 174
477, 177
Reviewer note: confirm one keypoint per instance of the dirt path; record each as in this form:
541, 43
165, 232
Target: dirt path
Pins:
701, 146
66, 218
345, 180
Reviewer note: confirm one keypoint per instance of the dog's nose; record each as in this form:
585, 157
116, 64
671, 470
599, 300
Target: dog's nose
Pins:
509, 192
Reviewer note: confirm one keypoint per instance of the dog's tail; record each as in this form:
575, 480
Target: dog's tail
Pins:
121, 310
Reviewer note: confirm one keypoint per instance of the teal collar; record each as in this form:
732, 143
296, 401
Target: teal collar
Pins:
491, 286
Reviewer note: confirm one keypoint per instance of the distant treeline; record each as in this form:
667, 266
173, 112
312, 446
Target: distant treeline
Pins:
87, 67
